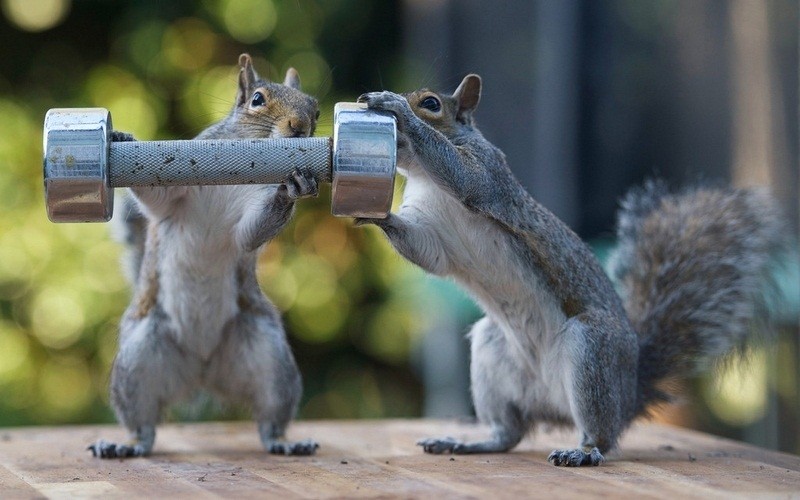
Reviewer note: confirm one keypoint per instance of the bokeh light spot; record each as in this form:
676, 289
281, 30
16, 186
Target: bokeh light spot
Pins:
389, 334
101, 267
189, 44
317, 280
282, 288
15, 261
135, 115
321, 324
57, 317
132, 108
249, 21
36, 15
739, 394
66, 386
14, 347
210, 97
315, 74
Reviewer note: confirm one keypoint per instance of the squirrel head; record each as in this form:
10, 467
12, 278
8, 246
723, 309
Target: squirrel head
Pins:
448, 113
267, 109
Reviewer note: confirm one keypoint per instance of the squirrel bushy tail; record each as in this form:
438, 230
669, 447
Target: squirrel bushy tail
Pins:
694, 273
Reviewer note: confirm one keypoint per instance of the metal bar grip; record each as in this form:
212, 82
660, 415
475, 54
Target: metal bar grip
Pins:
217, 162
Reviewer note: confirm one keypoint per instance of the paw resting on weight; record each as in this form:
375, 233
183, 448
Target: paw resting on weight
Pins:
301, 184
387, 101
117, 136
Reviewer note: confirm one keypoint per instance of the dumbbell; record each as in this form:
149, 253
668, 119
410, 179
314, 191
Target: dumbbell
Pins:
82, 166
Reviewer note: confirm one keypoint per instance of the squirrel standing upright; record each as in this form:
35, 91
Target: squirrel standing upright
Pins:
558, 344
198, 318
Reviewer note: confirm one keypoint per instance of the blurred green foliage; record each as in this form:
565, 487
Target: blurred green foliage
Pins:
167, 70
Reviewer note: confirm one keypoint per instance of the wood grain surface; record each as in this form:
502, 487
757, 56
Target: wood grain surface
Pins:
380, 459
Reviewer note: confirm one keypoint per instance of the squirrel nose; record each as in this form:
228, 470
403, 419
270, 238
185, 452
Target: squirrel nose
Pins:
297, 128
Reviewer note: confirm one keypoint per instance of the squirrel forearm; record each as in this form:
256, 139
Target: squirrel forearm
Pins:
414, 240
454, 169
260, 225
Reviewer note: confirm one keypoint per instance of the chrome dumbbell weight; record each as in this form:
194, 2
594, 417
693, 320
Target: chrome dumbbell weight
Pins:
82, 166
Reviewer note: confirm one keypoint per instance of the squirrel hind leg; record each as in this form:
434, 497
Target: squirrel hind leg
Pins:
600, 356
140, 445
253, 364
495, 383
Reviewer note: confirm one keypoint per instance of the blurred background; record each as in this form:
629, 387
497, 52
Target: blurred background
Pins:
586, 97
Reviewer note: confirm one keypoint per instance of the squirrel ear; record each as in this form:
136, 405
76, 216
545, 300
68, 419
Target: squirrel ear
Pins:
247, 77
468, 94
292, 79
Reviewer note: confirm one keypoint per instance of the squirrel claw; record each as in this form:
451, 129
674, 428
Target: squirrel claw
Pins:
576, 458
386, 101
299, 448
117, 136
301, 184
105, 449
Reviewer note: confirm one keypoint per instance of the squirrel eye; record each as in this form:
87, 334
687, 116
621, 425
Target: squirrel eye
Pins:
431, 104
258, 99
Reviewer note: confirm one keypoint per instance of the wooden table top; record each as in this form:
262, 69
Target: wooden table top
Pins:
379, 458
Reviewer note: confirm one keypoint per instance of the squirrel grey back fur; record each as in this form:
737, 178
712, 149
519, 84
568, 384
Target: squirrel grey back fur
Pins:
558, 344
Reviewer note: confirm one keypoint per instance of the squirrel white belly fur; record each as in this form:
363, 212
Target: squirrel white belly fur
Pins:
198, 318
558, 344
478, 255
198, 287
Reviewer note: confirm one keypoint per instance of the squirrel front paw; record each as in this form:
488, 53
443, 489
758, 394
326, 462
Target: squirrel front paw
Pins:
117, 136
301, 184
388, 101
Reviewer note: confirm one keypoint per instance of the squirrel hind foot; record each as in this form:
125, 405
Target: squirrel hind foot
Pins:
105, 449
437, 446
297, 448
576, 457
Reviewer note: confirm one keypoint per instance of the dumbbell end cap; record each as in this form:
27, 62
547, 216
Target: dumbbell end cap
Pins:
364, 161
76, 186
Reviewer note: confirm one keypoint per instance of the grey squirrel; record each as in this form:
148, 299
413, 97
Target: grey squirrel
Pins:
198, 318
557, 343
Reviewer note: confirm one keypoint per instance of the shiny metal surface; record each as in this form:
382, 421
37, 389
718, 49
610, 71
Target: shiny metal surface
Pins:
76, 185
364, 161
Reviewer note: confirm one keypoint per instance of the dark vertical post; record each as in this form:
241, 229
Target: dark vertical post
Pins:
553, 176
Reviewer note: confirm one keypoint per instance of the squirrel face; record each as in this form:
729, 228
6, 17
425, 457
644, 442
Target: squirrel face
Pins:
267, 109
447, 113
